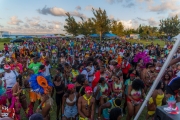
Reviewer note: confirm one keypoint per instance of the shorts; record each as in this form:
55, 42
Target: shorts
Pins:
34, 96
70, 111
137, 100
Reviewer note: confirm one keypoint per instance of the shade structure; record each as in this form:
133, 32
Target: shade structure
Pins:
80, 36
110, 35
94, 35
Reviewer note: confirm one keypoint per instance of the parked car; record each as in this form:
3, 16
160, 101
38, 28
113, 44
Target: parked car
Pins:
16, 40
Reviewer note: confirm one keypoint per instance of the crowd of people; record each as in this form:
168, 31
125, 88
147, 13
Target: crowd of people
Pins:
87, 79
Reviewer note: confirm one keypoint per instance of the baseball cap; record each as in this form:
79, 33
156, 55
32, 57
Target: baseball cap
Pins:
36, 116
6, 67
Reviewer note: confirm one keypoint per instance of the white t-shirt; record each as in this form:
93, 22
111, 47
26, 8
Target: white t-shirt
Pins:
47, 72
84, 72
10, 78
1, 59
91, 73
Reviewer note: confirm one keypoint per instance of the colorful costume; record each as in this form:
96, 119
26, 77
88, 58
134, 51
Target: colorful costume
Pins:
7, 112
39, 85
144, 56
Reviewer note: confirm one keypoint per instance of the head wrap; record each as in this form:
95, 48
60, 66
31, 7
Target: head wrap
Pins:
132, 75
88, 89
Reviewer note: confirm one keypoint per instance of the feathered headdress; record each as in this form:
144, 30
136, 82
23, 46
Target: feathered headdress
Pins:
142, 55
40, 84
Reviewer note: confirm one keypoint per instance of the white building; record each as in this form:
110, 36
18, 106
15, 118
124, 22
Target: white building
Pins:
4, 33
135, 36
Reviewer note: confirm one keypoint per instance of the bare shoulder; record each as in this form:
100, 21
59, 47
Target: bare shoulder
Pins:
92, 99
80, 99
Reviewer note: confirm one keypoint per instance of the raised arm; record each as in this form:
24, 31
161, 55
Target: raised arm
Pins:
174, 61
106, 105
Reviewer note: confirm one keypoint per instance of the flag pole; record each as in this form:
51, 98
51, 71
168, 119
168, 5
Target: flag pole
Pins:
158, 78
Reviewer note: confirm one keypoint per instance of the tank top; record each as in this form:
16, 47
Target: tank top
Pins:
118, 86
59, 88
69, 101
159, 99
136, 93
103, 89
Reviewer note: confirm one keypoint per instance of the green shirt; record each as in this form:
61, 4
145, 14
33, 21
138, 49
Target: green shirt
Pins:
34, 67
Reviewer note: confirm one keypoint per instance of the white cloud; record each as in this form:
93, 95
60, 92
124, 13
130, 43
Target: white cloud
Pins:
1, 26
90, 7
26, 25
144, 0
172, 14
34, 23
114, 1
14, 21
36, 18
165, 5
152, 22
55, 11
111, 17
129, 24
78, 7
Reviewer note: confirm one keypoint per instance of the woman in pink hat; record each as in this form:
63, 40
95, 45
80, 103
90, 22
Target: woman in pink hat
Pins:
69, 106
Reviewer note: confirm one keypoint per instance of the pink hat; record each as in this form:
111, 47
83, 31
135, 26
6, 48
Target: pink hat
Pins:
6, 67
70, 86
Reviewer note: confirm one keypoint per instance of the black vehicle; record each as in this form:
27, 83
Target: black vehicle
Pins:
17, 40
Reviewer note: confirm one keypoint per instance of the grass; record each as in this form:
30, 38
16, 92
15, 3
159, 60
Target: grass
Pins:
145, 42
53, 110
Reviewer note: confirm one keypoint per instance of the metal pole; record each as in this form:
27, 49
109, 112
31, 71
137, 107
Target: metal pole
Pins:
158, 78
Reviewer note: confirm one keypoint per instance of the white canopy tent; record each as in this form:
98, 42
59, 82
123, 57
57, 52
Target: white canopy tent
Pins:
80, 36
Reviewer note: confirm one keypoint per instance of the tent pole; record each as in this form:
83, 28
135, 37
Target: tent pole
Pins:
158, 78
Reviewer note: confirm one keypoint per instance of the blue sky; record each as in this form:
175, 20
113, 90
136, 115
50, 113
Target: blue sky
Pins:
48, 16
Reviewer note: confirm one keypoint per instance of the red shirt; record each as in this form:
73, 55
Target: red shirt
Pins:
126, 69
6, 47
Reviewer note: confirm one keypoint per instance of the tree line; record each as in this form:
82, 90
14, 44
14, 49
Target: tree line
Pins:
101, 23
